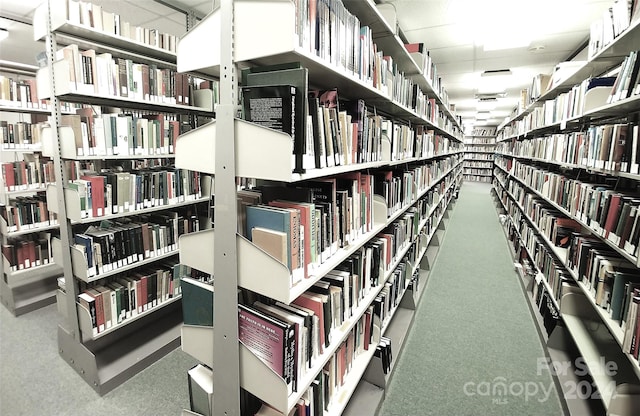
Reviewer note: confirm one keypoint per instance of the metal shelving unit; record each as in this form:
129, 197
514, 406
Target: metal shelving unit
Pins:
109, 358
242, 154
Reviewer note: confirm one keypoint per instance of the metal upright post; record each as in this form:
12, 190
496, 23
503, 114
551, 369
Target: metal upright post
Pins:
226, 357
61, 180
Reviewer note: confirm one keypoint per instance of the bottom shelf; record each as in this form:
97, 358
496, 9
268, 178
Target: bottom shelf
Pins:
108, 362
28, 298
366, 400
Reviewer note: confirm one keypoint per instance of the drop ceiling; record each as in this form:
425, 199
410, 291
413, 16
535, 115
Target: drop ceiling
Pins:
455, 32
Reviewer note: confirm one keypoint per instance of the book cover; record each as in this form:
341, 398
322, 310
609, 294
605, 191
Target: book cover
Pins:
273, 106
197, 302
200, 379
270, 339
292, 74
272, 242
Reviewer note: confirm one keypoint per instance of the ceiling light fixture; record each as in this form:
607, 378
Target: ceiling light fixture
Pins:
4, 33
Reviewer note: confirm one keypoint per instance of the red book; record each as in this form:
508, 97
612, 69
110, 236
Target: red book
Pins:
97, 296
144, 294
22, 173
174, 132
30, 255
21, 254
612, 214
97, 194
315, 304
414, 47
8, 176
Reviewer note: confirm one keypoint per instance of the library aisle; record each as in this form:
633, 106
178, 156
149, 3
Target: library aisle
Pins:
34, 380
474, 348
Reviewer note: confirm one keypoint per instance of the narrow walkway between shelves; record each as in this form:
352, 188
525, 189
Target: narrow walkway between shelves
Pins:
474, 348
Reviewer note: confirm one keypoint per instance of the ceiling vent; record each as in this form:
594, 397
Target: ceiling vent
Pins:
490, 97
496, 72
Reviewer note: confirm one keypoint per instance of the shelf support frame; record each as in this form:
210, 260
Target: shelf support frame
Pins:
72, 325
226, 354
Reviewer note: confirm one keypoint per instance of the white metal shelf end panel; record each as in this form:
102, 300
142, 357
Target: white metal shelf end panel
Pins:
249, 20
261, 152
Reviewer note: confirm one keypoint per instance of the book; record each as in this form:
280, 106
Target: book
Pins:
200, 382
270, 339
272, 242
197, 302
292, 74
273, 106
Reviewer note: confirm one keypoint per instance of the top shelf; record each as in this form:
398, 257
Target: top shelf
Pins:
280, 46
611, 55
61, 25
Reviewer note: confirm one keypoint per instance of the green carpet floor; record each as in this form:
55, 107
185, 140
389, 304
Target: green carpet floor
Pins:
474, 348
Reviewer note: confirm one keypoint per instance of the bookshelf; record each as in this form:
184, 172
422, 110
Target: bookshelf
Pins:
256, 152
124, 246
25, 286
541, 165
478, 158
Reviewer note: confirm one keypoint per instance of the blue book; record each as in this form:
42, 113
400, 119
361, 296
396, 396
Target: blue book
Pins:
87, 242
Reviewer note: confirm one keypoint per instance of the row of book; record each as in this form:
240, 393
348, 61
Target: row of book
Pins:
122, 134
479, 132
542, 258
614, 21
32, 173
479, 157
20, 135
581, 98
28, 251
609, 147
332, 213
478, 178
481, 148
476, 171
26, 213
23, 93
103, 74
94, 16
479, 140
472, 163
115, 244
327, 29
423, 59
594, 264
114, 191
627, 82
327, 131
608, 212
110, 302
332, 300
